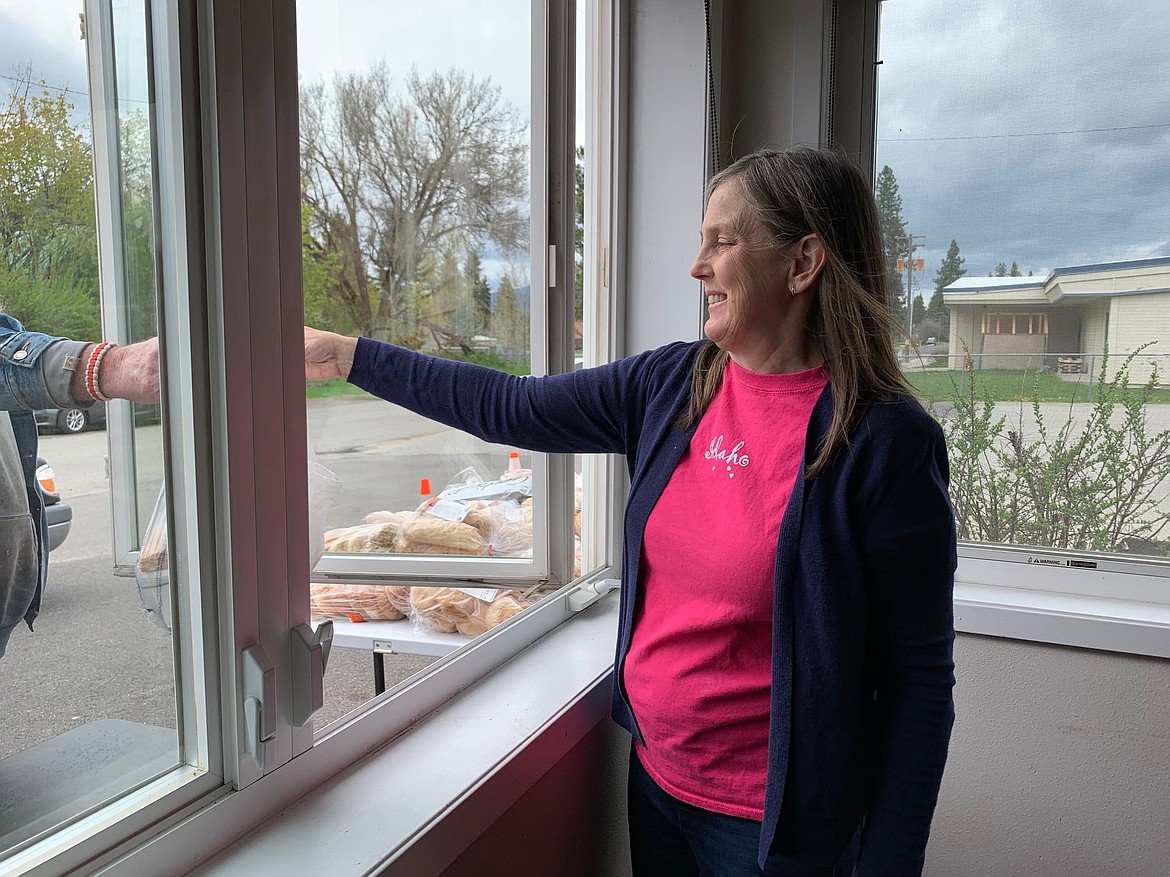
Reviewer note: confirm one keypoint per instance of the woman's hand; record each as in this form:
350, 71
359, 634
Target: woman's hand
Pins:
327, 355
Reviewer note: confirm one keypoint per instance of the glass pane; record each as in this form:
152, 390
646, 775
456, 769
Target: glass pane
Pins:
1024, 202
137, 227
416, 166
88, 698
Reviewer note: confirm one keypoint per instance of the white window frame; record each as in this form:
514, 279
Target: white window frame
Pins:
1121, 606
227, 94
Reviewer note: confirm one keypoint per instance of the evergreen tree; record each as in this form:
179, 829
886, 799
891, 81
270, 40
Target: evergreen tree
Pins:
1000, 271
579, 236
919, 311
895, 245
1014, 271
508, 321
949, 270
481, 292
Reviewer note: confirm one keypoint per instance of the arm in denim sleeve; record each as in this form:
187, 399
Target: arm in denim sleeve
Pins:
32, 368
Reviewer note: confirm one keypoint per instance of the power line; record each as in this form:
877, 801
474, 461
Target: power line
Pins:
67, 90
1027, 134
43, 85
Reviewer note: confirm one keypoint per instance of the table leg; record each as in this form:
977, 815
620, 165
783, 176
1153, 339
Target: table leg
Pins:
379, 673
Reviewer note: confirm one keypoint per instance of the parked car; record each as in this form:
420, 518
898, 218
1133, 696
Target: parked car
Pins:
81, 419
58, 513
71, 419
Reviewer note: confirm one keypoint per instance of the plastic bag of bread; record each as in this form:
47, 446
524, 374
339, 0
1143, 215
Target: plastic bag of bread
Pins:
152, 569
504, 527
442, 609
356, 602
507, 605
427, 534
364, 537
448, 610
383, 517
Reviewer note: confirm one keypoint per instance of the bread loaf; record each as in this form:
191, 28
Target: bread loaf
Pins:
431, 535
355, 602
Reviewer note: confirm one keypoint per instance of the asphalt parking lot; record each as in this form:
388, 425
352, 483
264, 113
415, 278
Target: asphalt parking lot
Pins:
93, 654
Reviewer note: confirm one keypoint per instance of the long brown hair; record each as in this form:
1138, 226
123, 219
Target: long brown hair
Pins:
807, 190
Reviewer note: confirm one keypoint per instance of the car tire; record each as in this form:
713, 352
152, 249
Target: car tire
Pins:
72, 420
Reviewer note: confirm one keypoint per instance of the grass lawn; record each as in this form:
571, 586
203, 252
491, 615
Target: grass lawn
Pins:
939, 385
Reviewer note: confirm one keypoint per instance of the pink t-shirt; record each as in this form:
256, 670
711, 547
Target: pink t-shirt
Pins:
699, 672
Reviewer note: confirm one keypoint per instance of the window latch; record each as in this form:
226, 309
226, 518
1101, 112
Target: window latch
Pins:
310, 655
259, 705
590, 592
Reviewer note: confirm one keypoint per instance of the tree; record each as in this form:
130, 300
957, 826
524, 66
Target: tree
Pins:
48, 248
1002, 270
919, 311
395, 178
481, 292
950, 269
895, 243
509, 322
579, 236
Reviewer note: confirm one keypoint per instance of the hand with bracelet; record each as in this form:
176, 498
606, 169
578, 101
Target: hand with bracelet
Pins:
107, 371
48, 371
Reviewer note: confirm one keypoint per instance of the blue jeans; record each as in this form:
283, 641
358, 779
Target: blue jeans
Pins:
669, 838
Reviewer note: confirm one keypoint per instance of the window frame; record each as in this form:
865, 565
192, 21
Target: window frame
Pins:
1121, 606
227, 93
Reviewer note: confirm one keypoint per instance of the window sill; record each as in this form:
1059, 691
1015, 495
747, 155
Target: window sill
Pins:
414, 804
1106, 623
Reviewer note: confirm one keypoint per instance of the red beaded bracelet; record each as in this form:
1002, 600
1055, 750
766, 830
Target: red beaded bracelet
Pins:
91, 371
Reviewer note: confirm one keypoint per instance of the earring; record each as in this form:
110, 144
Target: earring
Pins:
792, 290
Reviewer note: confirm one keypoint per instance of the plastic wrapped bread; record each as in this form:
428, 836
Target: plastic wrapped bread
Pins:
364, 537
451, 609
430, 535
357, 602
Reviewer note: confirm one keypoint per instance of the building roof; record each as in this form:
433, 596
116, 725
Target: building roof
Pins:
1103, 279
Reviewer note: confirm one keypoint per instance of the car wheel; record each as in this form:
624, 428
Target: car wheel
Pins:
72, 420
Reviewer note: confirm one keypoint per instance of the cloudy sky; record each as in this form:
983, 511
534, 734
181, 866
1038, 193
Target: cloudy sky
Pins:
1038, 132
1034, 132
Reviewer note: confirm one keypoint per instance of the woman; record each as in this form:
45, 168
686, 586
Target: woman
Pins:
784, 653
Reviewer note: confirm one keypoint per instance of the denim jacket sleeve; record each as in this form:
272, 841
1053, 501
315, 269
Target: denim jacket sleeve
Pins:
32, 368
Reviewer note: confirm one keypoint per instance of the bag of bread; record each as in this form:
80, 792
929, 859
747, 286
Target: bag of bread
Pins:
152, 569
353, 602
507, 604
468, 611
363, 538
427, 534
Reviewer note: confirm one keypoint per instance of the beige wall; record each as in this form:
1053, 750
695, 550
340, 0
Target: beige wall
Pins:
964, 333
1012, 352
1059, 767
1059, 764
1136, 320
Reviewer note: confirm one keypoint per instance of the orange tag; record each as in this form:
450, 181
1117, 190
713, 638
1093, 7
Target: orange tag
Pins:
354, 617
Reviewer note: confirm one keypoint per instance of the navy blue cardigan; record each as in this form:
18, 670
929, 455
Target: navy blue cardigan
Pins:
861, 703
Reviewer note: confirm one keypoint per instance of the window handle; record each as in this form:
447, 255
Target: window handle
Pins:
590, 592
259, 704
310, 655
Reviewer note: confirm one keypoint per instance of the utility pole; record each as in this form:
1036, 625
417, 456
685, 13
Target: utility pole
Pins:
913, 242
